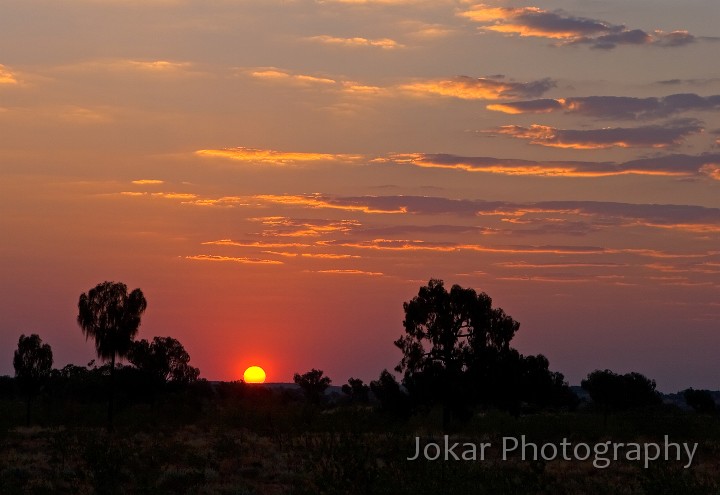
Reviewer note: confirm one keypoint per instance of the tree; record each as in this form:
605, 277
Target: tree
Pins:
700, 400
392, 399
111, 317
313, 384
33, 362
356, 390
165, 359
617, 392
447, 335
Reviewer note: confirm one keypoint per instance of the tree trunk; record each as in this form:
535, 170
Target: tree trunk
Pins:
112, 393
28, 402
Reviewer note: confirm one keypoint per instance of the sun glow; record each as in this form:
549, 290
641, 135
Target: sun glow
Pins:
254, 374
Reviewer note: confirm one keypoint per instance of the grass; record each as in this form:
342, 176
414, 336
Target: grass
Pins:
268, 444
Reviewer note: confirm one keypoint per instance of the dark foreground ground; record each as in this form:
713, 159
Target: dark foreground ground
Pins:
267, 444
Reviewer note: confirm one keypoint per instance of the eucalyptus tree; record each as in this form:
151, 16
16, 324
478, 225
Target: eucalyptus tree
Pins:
110, 316
454, 346
164, 359
33, 362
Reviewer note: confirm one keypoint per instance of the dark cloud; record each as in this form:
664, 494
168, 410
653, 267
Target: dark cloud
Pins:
568, 216
480, 88
397, 230
675, 165
569, 29
699, 82
615, 107
650, 136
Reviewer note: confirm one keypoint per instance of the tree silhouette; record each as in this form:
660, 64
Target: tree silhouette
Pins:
448, 334
32, 362
164, 359
313, 384
700, 400
356, 390
392, 399
611, 391
111, 317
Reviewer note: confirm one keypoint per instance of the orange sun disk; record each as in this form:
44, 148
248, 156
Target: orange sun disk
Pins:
254, 374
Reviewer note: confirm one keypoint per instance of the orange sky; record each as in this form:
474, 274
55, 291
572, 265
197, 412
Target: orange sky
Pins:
278, 177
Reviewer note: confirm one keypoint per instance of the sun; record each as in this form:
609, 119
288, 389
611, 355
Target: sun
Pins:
254, 374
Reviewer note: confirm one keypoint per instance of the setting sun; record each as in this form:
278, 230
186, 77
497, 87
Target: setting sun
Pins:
254, 374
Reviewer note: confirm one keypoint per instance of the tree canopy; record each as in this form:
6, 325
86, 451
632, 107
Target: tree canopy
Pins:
448, 329
313, 384
613, 391
164, 358
33, 362
111, 317
456, 352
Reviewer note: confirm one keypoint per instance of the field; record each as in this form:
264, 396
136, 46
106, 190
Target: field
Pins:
272, 442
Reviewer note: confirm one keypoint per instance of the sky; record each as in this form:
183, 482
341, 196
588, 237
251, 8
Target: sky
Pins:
279, 176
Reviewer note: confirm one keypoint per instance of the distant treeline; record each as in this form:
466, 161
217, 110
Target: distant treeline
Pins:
456, 356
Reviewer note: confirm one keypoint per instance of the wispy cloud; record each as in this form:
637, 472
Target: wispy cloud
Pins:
568, 29
6, 75
163, 195
350, 272
145, 182
289, 227
272, 157
409, 245
255, 244
323, 256
650, 136
158, 65
614, 107
383, 43
360, 204
666, 216
250, 261
676, 165
275, 74
151, 67
579, 264
481, 88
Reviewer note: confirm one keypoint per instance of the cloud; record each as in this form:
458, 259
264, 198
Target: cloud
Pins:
568, 29
608, 214
350, 272
274, 74
152, 67
289, 227
163, 195
379, 2
614, 107
688, 218
384, 43
272, 157
650, 136
6, 76
144, 182
396, 230
410, 245
446, 247
482, 88
676, 165
251, 261
423, 30
327, 256
527, 265
158, 65
360, 204
254, 244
